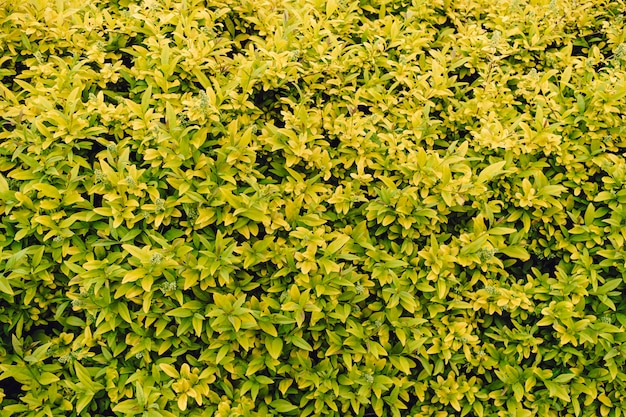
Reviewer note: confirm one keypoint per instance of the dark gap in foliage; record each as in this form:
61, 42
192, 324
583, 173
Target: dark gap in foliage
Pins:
357, 39
230, 54
121, 86
457, 220
168, 31
108, 94
333, 142
369, 412
50, 328
164, 229
366, 110
391, 9
371, 16
107, 413
264, 163
9, 77
6, 126
235, 27
465, 76
583, 44
243, 46
333, 181
94, 66
126, 59
445, 25
267, 99
194, 86
322, 98
20, 67
96, 148
278, 122
271, 165
96, 200
12, 389
257, 291
135, 157
410, 404
579, 50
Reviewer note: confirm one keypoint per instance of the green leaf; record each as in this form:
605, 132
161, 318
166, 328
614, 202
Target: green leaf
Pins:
442, 289
146, 283
104, 211
75, 321
275, 347
283, 406
580, 103
401, 363
40, 353
396, 263
83, 401
337, 244
145, 99
221, 354
170, 115
268, 327
590, 215
498, 231
262, 379
608, 286
361, 236
128, 408
516, 252
563, 378
425, 287
169, 370
490, 172
255, 365
518, 391
621, 318
47, 378
47, 190
301, 343
204, 81
85, 378
122, 310
138, 253
5, 287
222, 301
383, 379
474, 246
133, 275
5, 192
557, 390
180, 312
604, 196
197, 322
311, 220
478, 409
551, 190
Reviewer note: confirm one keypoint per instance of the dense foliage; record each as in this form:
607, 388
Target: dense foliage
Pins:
312, 208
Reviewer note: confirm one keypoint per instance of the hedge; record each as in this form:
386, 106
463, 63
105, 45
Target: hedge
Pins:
313, 208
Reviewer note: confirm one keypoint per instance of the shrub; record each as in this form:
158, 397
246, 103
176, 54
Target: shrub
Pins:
338, 208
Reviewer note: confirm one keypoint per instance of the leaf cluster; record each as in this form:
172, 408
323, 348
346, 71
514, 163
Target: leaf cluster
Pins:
304, 207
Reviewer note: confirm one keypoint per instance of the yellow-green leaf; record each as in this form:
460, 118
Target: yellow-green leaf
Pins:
5, 287
169, 370
283, 406
516, 252
275, 347
490, 172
